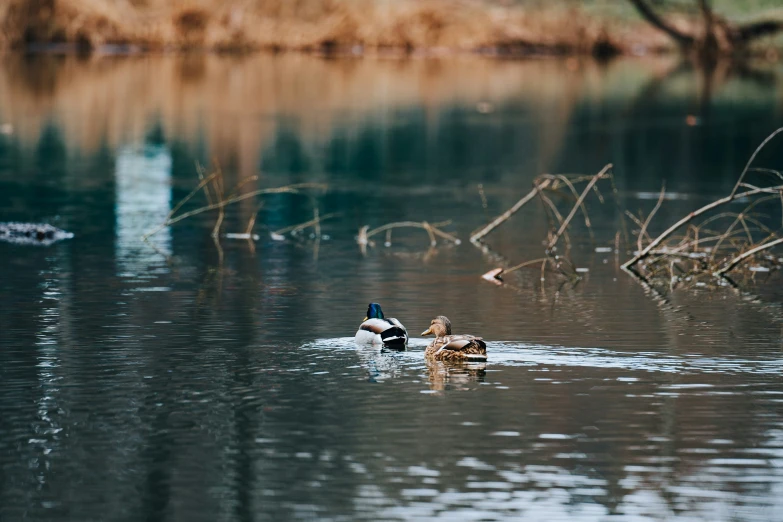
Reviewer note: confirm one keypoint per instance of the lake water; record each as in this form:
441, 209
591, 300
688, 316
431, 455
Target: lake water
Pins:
180, 379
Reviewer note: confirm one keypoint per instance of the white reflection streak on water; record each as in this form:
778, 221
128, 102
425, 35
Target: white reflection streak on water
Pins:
45, 432
143, 176
553, 493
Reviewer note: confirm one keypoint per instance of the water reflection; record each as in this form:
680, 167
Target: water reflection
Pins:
381, 364
46, 434
143, 201
228, 391
452, 376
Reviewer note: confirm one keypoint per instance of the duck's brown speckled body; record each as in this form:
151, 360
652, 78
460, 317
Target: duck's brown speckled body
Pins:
448, 347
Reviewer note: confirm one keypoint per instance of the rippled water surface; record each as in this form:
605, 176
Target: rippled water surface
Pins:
184, 379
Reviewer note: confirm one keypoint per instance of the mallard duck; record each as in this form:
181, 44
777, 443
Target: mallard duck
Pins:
448, 347
376, 329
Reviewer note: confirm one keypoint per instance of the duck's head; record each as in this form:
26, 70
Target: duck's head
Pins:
439, 327
374, 311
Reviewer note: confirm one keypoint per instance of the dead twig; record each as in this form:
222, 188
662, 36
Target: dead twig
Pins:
753, 251
502, 218
315, 222
578, 204
219, 187
432, 229
497, 273
570, 184
289, 189
669, 231
550, 206
430, 232
252, 221
753, 157
649, 218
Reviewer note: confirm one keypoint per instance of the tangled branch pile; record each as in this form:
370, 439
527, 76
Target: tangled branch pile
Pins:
717, 239
716, 244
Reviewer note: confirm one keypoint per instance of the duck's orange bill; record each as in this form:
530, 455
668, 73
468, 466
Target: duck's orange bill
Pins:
428, 331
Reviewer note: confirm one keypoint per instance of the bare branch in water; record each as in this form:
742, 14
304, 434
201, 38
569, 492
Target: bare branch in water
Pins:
753, 251
543, 184
362, 239
430, 232
550, 206
495, 274
219, 188
477, 235
698, 256
752, 157
315, 222
432, 229
578, 204
252, 221
685, 220
643, 231
570, 184
218, 202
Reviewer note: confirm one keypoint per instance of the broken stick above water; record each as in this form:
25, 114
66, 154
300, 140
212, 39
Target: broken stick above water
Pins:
590, 185
476, 236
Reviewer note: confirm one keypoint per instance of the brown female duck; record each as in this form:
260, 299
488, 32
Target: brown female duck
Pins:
448, 347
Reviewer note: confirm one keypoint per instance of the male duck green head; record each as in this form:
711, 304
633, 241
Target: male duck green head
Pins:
374, 311
376, 329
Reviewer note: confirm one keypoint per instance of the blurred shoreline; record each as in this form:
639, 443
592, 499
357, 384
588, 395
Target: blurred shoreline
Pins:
344, 27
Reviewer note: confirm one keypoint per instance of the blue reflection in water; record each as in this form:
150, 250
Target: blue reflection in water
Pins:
143, 201
47, 431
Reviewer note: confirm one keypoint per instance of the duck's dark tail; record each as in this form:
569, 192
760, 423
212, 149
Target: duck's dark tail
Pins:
394, 336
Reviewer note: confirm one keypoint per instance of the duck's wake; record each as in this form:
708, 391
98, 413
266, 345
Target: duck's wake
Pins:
521, 354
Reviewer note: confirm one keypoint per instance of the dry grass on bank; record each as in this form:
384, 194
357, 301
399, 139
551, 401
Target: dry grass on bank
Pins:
317, 25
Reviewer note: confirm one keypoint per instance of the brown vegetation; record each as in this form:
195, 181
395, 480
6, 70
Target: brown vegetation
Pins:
353, 26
